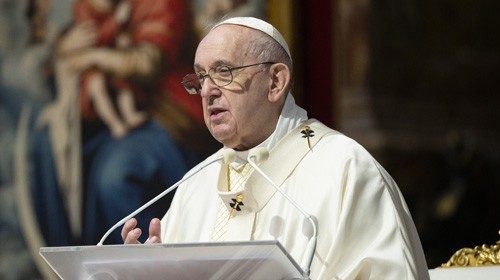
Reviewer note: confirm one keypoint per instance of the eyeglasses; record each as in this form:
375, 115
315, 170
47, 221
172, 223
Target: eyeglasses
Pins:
221, 76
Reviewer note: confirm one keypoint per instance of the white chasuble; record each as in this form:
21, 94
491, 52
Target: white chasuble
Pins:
365, 230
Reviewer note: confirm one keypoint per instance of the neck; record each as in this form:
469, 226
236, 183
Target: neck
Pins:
257, 138
289, 117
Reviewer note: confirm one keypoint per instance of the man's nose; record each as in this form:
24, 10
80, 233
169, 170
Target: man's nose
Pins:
209, 88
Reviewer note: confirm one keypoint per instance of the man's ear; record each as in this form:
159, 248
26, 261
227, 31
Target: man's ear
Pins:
280, 79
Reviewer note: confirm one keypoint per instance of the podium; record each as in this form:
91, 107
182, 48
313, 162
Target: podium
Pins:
222, 260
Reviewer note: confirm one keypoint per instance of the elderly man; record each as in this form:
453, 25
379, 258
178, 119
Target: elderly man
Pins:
365, 231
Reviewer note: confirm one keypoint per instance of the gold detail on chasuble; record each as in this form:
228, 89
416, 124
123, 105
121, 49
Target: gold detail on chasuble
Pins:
255, 191
237, 178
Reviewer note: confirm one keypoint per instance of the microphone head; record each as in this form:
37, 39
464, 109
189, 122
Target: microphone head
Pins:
258, 154
276, 227
228, 155
307, 227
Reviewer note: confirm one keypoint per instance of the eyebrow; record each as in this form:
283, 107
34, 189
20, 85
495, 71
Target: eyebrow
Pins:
221, 62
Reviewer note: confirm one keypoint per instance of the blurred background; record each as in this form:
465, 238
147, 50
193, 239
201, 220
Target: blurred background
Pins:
94, 122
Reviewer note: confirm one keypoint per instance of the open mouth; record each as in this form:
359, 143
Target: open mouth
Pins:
215, 112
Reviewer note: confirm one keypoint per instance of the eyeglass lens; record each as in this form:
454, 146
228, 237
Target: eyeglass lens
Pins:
192, 84
220, 76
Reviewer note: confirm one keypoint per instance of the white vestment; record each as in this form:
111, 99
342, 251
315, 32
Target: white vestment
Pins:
365, 230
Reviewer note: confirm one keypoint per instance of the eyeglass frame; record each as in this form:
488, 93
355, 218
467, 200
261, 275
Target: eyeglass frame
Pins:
201, 77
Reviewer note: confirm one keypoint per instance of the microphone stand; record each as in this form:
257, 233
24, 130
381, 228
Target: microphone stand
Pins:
228, 155
260, 154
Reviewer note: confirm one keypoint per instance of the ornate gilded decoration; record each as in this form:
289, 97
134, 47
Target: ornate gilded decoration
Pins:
479, 256
307, 133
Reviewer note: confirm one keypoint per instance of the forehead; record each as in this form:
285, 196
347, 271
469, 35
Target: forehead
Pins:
224, 44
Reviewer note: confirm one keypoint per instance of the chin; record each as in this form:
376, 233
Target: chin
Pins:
227, 141
222, 134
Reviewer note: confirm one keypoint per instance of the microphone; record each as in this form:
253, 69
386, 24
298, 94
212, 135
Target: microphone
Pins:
260, 154
276, 228
227, 156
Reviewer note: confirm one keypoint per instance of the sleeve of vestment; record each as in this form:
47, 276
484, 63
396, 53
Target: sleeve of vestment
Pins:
375, 236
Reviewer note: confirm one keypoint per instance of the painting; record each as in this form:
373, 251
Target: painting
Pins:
93, 119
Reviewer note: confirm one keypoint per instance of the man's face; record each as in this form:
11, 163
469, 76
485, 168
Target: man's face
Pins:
237, 115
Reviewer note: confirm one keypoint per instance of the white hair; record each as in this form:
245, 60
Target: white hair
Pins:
264, 48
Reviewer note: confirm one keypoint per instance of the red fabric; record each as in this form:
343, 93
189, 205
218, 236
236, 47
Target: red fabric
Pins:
164, 23
107, 26
190, 103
